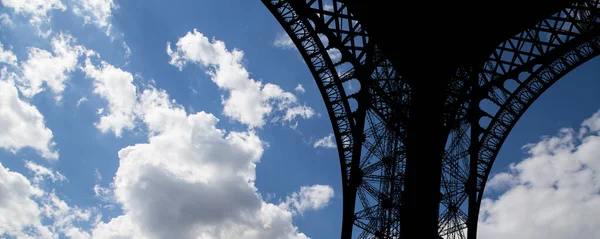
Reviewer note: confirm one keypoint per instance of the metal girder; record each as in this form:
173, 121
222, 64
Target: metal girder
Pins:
538, 58
537, 45
516, 74
455, 164
370, 123
326, 77
372, 157
378, 174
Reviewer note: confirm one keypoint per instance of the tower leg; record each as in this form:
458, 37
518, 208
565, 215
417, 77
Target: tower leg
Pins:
426, 137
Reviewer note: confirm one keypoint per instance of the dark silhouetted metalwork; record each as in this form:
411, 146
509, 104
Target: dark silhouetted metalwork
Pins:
415, 154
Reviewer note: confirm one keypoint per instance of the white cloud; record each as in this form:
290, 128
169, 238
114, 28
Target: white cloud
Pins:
64, 217
249, 101
17, 209
309, 198
21, 124
300, 89
102, 193
120, 227
98, 12
25, 206
115, 86
53, 70
127, 50
334, 54
283, 41
105, 194
553, 193
303, 111
210, 171
326, 142
7, 56
41, 173
592, 123
36, 10
5, 20
80, 101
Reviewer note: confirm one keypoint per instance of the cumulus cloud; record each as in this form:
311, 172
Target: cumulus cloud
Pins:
64, 217
17, 209
50, 69
326, 142
308, 198
97, 12
192, 179
116, 87
103, 193
553, 193
7, 56
36, 10
591, 124
302, 111
249, 101
21, 124
25, 209
42, 173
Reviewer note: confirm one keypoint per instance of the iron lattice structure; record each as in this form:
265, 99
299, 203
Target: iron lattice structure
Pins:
368, 102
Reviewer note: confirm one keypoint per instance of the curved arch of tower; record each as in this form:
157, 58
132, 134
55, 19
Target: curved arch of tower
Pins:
417, 143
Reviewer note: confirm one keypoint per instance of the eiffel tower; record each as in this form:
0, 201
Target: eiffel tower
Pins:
422, 95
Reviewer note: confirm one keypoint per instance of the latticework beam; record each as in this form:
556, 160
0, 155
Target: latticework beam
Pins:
369, 104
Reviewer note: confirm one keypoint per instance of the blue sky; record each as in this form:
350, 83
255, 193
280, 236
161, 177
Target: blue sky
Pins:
143, 119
